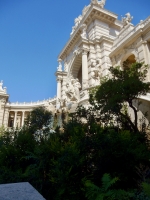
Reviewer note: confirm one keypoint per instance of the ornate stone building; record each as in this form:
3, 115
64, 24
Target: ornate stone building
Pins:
97, 41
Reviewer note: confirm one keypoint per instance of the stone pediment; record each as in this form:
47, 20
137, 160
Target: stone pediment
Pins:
91, 12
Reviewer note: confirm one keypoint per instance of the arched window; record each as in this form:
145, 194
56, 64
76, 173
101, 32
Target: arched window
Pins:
129, 61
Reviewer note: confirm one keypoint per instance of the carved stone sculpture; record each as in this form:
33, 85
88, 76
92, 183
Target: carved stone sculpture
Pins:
85, 9
3, 100
77, 86
94, 1
49, 106
126, 20
73, 90
100, 3
85, 84
59, 68
84, 34
1, 87
77, 51
76, 22
96, 71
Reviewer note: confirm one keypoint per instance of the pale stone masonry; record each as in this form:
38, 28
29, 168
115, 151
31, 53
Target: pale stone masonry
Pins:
97, 41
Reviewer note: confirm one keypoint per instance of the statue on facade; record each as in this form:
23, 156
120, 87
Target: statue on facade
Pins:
76, 22
77, 51
69, 90
49, 106
73, 90
96, 71
77, 86
85, 9
3, 90
99, 3
84, 34
3, 100
59, 68
127, 20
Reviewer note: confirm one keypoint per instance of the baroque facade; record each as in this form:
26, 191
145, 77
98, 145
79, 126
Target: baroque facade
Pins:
97, 41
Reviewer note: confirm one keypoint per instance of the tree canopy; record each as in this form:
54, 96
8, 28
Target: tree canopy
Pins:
117, 92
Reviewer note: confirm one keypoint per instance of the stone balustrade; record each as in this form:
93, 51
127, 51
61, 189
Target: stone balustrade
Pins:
31, 103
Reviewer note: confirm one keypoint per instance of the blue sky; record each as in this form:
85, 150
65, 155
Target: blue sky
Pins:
32, 34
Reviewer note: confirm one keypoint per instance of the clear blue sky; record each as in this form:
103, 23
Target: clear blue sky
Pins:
32, 34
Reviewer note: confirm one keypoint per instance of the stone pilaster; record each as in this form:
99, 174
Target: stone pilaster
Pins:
59, 82
22, 119
15, 119
146, 52
84, 69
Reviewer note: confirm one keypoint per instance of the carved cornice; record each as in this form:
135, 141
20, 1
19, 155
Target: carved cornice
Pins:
61, 74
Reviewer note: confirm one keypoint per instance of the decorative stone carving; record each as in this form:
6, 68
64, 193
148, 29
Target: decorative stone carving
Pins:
2, 90
84, 34
76, 22
85, 83
108, 60
96, 71
83, 94
100, 3
59, 68
77, 51
72, 89
85, 9
113, 60
49, 106
3, 100
127, 20
65, 65
132, 46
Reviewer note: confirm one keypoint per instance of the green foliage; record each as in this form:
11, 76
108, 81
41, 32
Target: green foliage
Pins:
2, 130
105, 192
121, 89
39, 122
58, 164
146, 188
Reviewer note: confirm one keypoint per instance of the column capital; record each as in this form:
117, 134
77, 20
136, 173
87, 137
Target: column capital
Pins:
59, 79
144, 42
84, 51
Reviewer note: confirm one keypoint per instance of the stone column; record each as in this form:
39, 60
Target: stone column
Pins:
84, 69
58, 91
145, 49
146, 55
22, 119
63, 95
8, 116
15, 119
